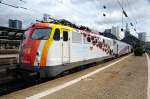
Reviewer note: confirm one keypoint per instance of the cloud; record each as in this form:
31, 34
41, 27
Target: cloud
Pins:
85, 12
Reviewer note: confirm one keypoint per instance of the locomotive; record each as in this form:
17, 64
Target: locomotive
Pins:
50, 48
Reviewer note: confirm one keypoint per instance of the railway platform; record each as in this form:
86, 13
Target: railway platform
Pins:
123, 78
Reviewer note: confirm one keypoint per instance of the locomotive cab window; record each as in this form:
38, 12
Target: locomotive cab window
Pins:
41, 33
56, 36
65, 36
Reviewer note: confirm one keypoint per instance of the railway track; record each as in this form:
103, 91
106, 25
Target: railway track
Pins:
7, 62
16, 84
11, 83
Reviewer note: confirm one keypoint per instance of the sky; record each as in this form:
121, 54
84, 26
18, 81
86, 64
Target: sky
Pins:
82, 12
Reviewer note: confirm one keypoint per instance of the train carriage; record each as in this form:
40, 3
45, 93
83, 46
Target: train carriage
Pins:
121, 48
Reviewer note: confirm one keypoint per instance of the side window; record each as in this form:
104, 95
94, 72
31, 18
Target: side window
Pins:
56, 36
76, 37
65, 36
86, 40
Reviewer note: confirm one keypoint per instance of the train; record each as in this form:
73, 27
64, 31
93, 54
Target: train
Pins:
50, 49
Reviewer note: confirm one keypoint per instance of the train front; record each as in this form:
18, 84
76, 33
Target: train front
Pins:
32, 46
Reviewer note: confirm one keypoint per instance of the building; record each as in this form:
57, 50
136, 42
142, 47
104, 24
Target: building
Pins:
147, 45
115, 31
142, 36
107, 31
127, 31
17, 24
10, 37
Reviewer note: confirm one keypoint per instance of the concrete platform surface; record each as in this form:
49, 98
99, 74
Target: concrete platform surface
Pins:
126, 79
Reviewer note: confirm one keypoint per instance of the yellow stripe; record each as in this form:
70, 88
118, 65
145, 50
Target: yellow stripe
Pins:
49, 42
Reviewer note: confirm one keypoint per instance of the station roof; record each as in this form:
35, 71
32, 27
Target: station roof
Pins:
2, 28
11, 33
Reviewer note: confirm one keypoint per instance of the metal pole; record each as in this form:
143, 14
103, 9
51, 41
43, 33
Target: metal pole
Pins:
122, 19
122, 14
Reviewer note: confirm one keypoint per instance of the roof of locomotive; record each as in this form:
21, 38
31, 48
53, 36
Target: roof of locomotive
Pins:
44, 25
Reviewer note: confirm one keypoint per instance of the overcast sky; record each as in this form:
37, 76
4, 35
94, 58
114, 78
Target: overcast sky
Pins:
83, 12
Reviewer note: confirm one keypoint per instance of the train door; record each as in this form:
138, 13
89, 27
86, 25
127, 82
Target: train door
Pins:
66, 47
117, 49
115, 45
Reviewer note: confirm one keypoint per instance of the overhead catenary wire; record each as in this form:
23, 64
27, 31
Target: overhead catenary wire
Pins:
10, 5
65, 5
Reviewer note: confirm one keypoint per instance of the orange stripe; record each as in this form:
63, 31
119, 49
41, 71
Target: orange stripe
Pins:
48, 44
46, 49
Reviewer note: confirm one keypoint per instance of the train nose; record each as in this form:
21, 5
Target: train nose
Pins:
27, 50
26, 55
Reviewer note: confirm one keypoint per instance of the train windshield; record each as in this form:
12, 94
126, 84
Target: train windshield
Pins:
41, 33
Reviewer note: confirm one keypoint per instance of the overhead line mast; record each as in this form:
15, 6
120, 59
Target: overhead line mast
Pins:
125, 14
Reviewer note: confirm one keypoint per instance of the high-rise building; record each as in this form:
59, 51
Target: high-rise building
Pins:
142, 36
127, 31
115, 31
17, 24
107, 31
